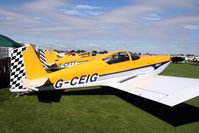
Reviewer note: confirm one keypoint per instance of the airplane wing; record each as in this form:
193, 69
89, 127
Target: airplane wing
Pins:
163, 89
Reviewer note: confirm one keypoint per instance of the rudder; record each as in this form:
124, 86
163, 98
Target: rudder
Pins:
17, 72
42, 57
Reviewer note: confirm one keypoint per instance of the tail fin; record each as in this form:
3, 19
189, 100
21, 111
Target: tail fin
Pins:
18, 73
34, 68
42, 57
24, 65
47, 58
50, 56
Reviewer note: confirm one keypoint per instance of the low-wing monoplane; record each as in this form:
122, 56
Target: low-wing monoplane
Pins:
51, 60
121, 70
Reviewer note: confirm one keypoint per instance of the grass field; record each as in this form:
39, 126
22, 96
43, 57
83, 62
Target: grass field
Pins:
98, 110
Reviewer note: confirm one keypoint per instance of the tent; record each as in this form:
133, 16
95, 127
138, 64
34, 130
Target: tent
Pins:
7, 42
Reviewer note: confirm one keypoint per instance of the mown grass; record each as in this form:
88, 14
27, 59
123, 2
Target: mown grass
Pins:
183, 70
98, 110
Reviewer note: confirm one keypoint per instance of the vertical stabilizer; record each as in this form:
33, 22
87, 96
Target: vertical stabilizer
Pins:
24, 65
50, 56
18, 73
42, 57
33, 66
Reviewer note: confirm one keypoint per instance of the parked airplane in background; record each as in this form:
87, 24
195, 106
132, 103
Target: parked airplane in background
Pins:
196, 59
184, 58
119, 69
51, 60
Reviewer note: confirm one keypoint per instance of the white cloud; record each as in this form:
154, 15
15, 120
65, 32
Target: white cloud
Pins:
8, 18
127, 15
97, 24
82, 10
86, 7
94, 13
81, 13
43, 6
18, 19
72, 12
106, 27
191, 27
152, 17
38, 18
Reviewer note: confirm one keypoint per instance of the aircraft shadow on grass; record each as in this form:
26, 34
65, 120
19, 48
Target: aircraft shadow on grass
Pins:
178, 115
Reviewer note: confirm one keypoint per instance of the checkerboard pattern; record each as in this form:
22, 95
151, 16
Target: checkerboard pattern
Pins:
18, 73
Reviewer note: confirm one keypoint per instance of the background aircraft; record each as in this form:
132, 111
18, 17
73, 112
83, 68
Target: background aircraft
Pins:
51, 60
196, 59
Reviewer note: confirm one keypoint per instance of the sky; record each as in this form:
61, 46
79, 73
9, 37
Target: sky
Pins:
146, 26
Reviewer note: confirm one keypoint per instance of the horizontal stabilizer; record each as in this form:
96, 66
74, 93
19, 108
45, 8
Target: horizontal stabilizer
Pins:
163, 89
35, 83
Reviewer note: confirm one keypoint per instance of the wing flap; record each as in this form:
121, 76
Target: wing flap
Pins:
163, 89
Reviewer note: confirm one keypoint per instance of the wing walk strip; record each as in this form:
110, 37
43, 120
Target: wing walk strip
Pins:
131, 77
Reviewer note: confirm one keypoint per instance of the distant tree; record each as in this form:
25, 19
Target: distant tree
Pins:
105, 52
94, 51
72, 51
82, 51
78, 51
189, 55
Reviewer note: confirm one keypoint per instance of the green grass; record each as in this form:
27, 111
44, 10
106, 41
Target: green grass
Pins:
98, 110
183, 70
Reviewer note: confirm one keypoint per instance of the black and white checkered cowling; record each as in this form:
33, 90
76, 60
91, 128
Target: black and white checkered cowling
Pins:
18, 73
42, 57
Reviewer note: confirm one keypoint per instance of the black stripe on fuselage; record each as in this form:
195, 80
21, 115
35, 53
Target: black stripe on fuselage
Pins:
153, 65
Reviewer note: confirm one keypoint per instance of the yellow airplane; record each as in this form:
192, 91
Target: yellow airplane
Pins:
50, 59
121, 70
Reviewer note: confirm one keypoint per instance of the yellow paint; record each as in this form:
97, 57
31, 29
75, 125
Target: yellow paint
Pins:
33, 66
52, 59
